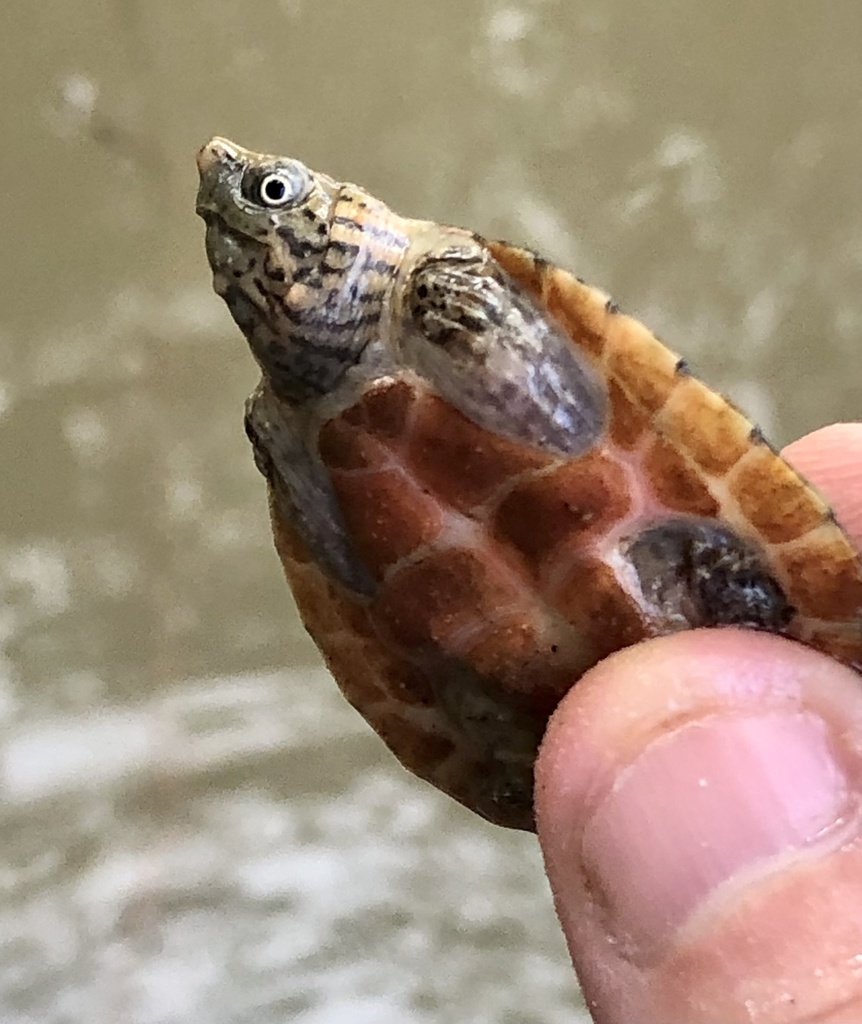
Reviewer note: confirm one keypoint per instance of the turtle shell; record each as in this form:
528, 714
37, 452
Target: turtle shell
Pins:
484, 477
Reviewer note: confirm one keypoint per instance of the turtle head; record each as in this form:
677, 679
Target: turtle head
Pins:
292, 264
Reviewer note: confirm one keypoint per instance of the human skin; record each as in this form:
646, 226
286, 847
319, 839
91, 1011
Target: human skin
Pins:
699, 805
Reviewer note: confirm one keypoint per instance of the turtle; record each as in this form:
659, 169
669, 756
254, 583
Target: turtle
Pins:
484, 477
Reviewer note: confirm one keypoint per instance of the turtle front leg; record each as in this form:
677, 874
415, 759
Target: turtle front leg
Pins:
455, 300
486, 346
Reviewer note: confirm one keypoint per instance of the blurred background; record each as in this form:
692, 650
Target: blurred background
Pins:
196, 828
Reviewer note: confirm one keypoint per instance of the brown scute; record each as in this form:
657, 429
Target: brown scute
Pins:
502, 653
373, 675
320, 606
520, 264
356, 669
705, 426
592, 600
825, 575
363, 435
774, 498
545, 512
385, 410
843, 646
387, 516
354, 616
432, 601
460, 462
524, 663
578, 308
408, 684
417, 749
628, 422
643, 367
343, 445
677, 483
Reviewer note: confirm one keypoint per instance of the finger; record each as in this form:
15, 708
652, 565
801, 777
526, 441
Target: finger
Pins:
698, 802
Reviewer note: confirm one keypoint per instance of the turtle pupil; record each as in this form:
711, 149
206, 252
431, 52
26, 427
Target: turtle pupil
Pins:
274, 190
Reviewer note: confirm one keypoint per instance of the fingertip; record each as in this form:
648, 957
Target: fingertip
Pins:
674, 781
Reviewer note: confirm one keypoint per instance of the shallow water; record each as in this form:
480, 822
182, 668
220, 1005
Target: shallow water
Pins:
197, 828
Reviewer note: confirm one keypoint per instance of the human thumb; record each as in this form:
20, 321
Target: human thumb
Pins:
698, 804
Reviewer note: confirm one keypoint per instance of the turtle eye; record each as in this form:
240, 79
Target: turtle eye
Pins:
275, 190
276, 185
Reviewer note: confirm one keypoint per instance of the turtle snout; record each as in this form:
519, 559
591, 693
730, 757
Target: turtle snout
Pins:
217, 151
220, 167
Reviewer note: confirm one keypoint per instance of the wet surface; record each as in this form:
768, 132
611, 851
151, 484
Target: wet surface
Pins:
196, 827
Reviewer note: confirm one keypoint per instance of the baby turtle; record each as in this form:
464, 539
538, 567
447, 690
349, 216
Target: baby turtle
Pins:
483, 478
